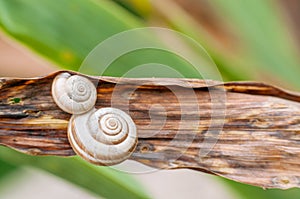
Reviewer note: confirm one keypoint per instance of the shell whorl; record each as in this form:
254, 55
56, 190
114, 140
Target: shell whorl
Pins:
106, 136
73, 93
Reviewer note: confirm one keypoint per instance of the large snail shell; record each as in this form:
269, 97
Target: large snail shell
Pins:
104, 137
74, 94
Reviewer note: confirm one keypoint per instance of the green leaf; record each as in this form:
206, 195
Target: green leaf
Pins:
250, 192
139, 8
63, 32
262, 29
180, 20
6, 168
66, 32
103, 181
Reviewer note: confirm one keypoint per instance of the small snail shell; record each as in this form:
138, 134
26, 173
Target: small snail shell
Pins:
106, 136
74, 94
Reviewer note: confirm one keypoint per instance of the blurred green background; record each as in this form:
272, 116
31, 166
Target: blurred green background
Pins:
248, 40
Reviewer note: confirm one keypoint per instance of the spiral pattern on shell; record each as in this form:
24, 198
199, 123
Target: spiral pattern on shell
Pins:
104, 137
73, 93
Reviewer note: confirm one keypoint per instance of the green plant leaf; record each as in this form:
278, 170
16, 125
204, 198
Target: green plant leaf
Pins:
262, 29
6, 168
103, 181
179, 19
250, 192
65, 33
139, 8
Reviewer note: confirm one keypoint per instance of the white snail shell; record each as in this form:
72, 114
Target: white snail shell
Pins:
73, 93
106, 136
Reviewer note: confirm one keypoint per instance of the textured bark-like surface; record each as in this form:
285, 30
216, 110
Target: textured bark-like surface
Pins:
248, 132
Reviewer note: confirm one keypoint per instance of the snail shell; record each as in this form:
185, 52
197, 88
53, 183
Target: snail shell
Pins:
73, 93
106, 136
